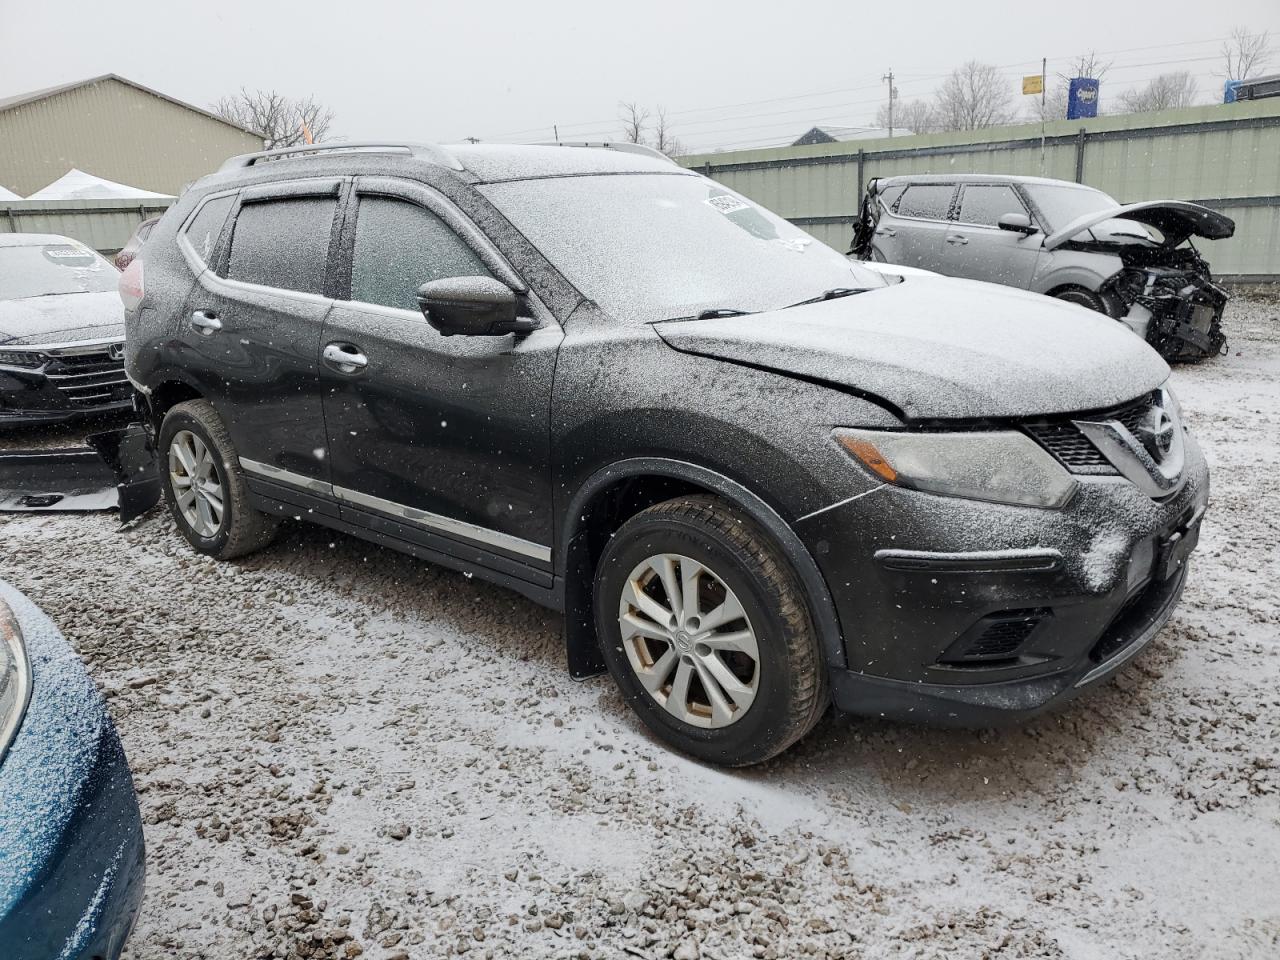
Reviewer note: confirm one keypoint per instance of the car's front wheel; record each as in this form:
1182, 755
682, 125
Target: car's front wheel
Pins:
705, 629
204, 485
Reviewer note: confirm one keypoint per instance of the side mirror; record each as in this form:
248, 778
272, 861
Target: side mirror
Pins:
1017, 222
472, 307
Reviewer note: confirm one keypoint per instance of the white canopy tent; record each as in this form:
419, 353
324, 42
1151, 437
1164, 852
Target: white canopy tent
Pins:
78, 185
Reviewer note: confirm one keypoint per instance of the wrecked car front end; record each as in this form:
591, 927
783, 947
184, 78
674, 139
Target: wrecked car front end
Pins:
1169, 298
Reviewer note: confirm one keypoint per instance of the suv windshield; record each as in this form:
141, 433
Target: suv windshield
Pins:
1061, 204
657, 246
42, 269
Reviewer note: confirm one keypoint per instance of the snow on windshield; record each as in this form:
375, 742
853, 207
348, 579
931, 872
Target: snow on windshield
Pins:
41, 269
656, 246
1062, 204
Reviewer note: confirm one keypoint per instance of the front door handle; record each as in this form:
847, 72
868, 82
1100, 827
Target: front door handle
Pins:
954, 238
205, 323
345, 357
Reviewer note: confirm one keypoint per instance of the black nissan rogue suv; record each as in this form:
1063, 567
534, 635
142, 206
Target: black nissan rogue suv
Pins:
756, 477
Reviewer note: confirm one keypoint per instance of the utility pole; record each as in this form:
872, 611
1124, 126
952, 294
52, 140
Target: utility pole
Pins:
1044, 63
555, 128
893, 95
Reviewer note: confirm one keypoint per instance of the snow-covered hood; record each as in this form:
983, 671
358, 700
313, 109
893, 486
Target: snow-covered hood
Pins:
1175, 219
61, 318
937, 347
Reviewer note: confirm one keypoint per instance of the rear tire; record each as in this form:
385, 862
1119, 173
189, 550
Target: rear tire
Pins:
204, 484
753, 682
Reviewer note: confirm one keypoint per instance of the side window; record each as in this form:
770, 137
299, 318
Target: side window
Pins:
283, 243
928, 200
889, 195
986, 203
202, 232
400, 246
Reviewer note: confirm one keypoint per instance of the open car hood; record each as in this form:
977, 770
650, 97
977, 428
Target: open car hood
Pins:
940, 348
1175, 219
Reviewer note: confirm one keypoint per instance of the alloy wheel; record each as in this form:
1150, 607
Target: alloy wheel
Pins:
689, 641
196, 488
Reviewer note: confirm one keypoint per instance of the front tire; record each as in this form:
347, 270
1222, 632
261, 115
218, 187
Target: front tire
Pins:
706, 631
204, 484
1084, 298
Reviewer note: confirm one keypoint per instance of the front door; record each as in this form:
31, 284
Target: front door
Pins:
974, 245
441, 440
250, 332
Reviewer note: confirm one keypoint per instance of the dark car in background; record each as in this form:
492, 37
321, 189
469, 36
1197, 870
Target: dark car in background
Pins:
1135, 263
756, 476
71, 847
130, 250
61, 331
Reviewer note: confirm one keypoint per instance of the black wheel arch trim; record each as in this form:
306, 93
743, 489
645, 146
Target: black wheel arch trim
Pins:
573, 567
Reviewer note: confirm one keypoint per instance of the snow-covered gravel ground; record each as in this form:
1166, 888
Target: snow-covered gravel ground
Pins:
342, 751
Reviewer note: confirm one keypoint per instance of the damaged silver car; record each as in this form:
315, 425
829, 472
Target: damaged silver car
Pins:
1135, 262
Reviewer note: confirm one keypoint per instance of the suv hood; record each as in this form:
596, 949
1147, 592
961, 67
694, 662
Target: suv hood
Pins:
61, 318
939, 348
1175, 219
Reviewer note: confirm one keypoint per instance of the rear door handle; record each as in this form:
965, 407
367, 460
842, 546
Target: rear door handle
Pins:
205, 323
345, 357
954, 238
887, 232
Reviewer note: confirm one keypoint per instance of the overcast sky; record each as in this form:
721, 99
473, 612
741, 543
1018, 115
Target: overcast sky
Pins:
729, 74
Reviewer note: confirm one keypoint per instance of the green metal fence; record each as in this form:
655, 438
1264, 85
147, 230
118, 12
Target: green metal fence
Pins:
105, 225
1224, 156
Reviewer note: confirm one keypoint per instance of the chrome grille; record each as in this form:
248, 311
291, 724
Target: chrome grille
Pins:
88, 378
1062, 438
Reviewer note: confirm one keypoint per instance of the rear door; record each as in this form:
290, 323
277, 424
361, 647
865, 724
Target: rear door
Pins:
444, 441
974, 246
920, 221
249, 337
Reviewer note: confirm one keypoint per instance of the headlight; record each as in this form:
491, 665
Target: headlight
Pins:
15, 677
21, 358
1004, 467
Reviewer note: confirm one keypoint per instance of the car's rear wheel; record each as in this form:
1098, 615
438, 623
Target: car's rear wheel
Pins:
204, 485
706, 631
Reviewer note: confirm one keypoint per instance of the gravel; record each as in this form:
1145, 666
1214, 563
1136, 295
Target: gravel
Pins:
343, 752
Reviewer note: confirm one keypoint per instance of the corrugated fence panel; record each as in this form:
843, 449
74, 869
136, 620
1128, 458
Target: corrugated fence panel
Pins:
105, 225
1225, 155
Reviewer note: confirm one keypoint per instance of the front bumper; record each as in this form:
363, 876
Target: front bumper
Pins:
71, 846
72, 382
972, 614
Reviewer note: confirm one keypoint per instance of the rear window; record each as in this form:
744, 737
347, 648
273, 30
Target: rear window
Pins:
202, 232
283, 243
48, 269
985, 204
928, 200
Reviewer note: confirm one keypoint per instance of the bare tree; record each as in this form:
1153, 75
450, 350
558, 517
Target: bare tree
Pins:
283, 121
634, 118
663, 138
974, 96
1245, 54
1165, 92
917, 116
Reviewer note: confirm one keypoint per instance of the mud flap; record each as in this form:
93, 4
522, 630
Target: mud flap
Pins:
117, 469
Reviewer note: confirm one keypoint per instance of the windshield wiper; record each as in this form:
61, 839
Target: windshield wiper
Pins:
835, 293
713, 314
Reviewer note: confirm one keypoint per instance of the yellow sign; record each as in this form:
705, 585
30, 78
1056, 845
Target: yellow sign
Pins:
1033, 84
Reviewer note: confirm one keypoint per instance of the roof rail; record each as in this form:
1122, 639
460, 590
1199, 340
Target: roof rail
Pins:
425, 151
622, 146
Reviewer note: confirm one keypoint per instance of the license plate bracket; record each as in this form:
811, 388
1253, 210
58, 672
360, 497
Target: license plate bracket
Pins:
1175, 549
